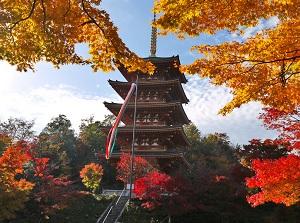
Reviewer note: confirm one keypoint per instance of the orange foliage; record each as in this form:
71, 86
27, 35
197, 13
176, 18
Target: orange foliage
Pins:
91, 175
264, 66
52, 193
33, 31
278, 181
13, 192
279, 178
141, 167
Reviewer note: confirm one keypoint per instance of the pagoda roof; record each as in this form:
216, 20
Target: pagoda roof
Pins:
174, 134
122, 88
158, 155
174, 109
172, 63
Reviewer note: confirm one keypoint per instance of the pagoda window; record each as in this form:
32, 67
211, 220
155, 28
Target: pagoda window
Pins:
142, 96
150, 118
147, 119
148, 95
154, 142
141, 118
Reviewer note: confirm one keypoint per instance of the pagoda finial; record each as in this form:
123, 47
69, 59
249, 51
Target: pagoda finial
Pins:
153, 39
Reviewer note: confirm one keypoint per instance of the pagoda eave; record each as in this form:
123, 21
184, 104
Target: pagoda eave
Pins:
170, 62
176, 88
115, 156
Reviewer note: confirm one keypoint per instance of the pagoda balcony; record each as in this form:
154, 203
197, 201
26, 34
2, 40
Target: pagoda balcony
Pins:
157, 114
167, 137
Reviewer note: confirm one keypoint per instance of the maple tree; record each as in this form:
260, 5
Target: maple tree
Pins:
91, 176
264, 67
50, 193
14, 190
141, 167
277, 177
157, 189
153, 187
287, 123
278, 181
174, 195
33, 31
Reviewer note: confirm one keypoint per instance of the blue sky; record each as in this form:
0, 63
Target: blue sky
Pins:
77, 92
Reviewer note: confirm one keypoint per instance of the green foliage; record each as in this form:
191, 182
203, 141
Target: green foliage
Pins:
90, 134
91, 140
258, 149
87, 208
59, 142
213, 191
139, 214
18, 129
268, 214
5, 141
109, 120
210, 147
192, 133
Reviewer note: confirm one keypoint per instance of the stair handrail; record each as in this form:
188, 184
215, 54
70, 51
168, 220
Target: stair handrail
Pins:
110, 207
108, 213
121, 212
120, 196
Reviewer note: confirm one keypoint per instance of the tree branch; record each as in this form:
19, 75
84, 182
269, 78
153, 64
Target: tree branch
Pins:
95, 22
65, 14
45, 16
259, 62
23, 19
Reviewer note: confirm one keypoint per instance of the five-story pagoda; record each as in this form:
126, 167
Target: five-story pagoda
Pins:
158, 131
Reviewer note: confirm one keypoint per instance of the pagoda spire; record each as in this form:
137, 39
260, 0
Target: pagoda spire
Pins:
153, 39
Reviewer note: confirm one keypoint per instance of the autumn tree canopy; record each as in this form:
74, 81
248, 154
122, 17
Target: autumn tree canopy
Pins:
91, 175
278, 181
277, 177
141, 167
14, 190
33, 31
287, 123
264, 67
